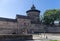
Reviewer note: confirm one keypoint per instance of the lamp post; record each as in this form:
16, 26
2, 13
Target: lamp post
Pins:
44, 30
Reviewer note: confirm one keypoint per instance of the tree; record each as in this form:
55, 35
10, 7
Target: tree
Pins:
51, 15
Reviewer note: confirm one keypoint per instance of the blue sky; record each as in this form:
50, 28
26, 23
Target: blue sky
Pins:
9, 8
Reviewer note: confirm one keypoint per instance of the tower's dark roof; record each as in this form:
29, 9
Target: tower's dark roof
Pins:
33, 9
7, 19
23, 17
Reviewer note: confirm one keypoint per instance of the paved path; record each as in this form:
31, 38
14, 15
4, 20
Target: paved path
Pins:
48, 36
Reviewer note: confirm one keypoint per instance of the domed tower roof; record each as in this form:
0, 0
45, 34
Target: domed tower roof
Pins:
33, 9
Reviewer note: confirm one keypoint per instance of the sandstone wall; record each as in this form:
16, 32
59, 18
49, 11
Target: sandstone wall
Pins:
7, 27
23, 24
53, 29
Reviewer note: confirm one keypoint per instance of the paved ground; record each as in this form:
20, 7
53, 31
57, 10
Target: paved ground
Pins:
47, 36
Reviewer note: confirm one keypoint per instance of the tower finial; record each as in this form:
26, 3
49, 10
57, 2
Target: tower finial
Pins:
33, 7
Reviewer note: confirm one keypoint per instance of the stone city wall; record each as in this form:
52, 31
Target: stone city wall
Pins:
7, 27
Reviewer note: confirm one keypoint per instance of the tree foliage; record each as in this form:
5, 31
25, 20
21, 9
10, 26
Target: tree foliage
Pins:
51, 15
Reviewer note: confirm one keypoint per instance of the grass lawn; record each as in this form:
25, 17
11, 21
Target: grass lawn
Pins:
54, 40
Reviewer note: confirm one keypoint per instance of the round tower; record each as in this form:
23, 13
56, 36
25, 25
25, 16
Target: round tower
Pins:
34, 14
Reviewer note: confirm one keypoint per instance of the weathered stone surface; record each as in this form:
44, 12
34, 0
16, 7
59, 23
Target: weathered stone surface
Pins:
25, 24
